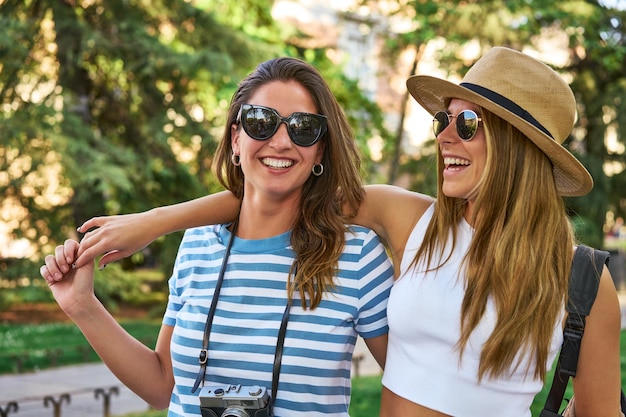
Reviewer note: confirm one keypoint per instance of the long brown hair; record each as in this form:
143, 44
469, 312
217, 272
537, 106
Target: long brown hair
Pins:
318, 233
520, 255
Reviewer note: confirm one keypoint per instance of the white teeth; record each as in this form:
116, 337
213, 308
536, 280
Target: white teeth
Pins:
456, 161
277, 163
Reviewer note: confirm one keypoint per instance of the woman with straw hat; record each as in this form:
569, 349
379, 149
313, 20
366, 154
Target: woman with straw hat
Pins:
482, 271
485, 270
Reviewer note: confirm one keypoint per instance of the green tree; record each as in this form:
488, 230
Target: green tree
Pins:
595, 45
116, 106
124, 98
598, 53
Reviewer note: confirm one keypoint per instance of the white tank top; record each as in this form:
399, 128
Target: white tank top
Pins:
423, 365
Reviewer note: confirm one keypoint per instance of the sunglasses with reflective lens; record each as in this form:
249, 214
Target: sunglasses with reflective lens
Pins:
260, 123
466, 123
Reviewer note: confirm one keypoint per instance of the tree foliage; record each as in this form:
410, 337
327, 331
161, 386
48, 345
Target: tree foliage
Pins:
117, 106
122, 99
596, 58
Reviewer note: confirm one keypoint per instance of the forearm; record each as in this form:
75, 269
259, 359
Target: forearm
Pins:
378, 348
146, 372
117, 237
216, 208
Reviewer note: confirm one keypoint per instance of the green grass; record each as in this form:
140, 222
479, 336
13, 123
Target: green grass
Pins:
365, 401
32, 347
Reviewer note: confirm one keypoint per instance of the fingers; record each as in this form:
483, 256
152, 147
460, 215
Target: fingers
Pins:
86, 253
89, 254
90, 224
115, 237
61, 259
100, 239
59, 264
85, 250
111, 257
50, 271
70, 248
90, 247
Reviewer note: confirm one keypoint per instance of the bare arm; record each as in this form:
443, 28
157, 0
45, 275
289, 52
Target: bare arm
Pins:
378, 348
120, 236
388, 210
392, 212
597, 382
145, 371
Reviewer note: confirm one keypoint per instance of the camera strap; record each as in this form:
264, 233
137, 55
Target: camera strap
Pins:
204, 352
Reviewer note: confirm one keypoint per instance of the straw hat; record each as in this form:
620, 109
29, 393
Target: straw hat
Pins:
524, 92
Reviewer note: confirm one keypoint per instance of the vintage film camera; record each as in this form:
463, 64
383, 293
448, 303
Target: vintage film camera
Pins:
234, 401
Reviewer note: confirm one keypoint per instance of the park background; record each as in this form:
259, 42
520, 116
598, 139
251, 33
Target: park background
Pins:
117, 106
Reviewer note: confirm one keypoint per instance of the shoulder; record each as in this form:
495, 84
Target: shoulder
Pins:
606, 306
201, 232
364, 253
201, 238
392, 212
358, 231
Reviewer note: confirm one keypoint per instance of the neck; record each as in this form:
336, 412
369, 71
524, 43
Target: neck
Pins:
260, 220
469, 213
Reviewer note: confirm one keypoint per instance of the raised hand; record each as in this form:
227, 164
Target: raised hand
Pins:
71, 287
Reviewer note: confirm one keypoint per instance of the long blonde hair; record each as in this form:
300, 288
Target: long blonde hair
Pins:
318, 233
520, 255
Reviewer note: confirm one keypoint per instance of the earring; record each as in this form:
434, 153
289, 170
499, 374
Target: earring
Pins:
236, 160
317, 170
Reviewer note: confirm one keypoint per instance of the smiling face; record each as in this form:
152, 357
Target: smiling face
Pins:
464, 161
277, 168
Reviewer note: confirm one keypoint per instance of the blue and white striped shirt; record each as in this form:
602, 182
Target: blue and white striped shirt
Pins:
317, 356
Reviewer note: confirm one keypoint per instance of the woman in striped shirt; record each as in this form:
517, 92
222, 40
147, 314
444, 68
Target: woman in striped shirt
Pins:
289, 154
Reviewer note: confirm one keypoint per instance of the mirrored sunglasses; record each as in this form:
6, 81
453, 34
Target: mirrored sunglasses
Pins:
466, 123
260, 123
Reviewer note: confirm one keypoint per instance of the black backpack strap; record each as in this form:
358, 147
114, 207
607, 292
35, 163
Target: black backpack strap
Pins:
583, 286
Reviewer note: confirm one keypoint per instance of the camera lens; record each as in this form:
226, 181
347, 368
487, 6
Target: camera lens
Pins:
234, 412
